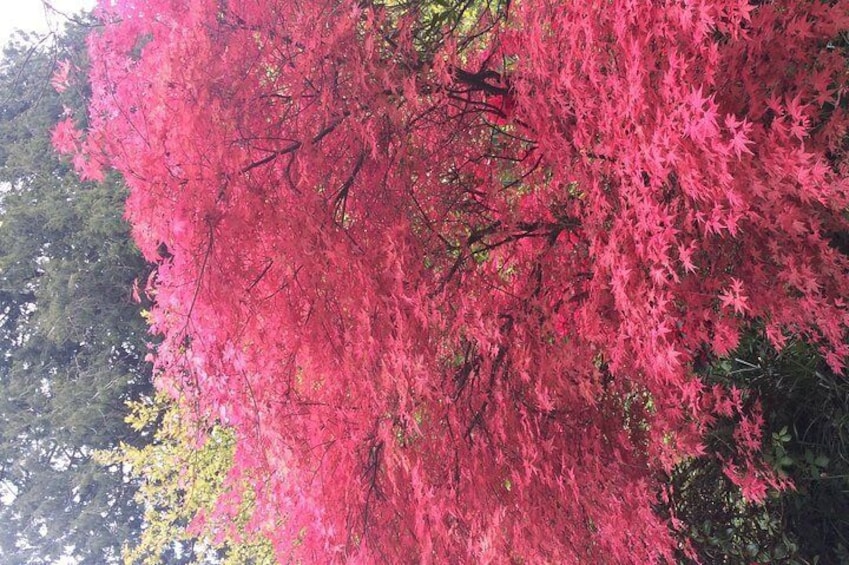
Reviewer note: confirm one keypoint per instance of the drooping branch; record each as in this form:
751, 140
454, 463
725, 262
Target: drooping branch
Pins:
481, 81
292, 147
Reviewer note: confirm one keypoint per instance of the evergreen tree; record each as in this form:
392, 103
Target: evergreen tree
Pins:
72, 341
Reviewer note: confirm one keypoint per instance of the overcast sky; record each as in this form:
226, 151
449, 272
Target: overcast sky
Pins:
31, 15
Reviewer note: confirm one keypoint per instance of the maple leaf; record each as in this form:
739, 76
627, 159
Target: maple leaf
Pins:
59, 80
739, 141
685, 255
66, 137
734, 298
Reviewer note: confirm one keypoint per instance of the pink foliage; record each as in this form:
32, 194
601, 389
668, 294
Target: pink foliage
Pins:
449, 289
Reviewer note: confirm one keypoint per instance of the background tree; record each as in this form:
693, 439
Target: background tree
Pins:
72, 340
450, 283
182, 473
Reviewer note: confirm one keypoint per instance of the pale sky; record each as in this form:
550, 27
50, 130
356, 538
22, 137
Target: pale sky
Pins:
31, 15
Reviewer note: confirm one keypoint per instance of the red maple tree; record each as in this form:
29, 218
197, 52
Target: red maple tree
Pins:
446, 266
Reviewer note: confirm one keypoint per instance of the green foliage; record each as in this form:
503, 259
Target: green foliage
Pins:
72, 342
720, 524
182, 474
806, 409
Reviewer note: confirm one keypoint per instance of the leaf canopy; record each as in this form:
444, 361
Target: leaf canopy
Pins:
448, 277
